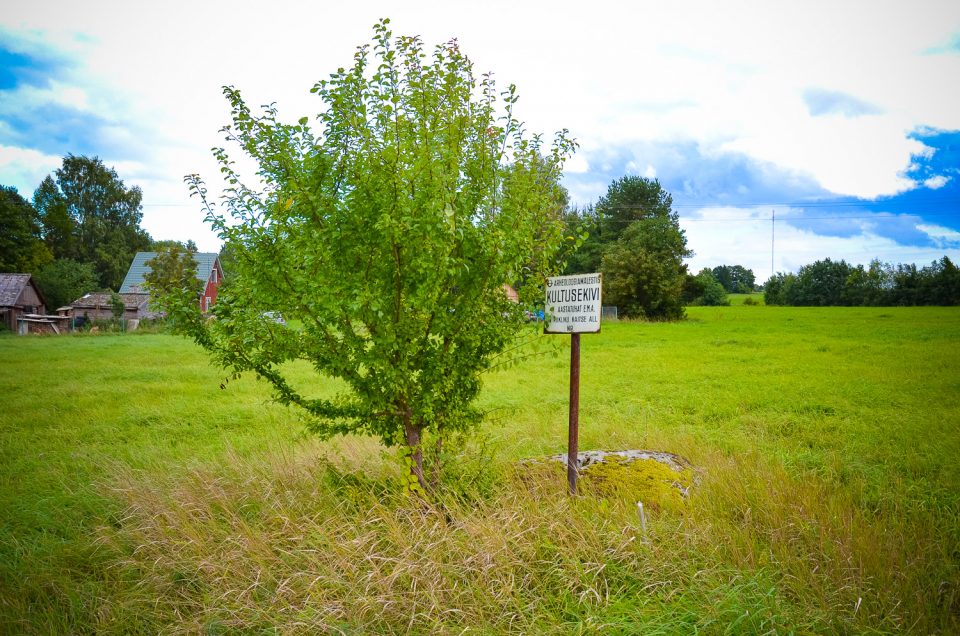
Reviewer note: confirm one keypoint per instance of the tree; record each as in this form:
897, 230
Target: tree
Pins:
869, 287
821, 284
583, 247
21, 246
736, 279
89, 215
643, 271
634, 237
172, 280
642, 260
778, 290
189, 246
629, 199
941, 283
59, 228
388, 234
117, 307
64, 280
693, 287
712, 293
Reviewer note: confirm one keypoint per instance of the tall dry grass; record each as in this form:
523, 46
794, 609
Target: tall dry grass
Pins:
314, 542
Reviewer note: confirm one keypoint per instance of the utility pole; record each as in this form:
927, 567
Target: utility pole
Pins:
773, 232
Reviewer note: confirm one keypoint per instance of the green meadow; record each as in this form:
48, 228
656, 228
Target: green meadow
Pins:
141, 492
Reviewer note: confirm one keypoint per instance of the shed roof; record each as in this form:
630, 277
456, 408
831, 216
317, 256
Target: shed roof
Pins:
133, 282
12, 285
102, 299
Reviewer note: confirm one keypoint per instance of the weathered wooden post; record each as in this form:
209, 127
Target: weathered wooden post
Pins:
573, 427
573, 307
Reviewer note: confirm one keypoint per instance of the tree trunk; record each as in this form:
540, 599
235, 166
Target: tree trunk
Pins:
437, 462
412, 432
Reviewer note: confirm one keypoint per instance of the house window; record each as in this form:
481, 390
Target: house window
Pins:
213, 276
206, 304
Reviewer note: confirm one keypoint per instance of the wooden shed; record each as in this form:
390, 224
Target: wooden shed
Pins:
98, 306
19, 295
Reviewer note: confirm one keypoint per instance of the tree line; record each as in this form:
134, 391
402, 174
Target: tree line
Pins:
78, 234
837, 283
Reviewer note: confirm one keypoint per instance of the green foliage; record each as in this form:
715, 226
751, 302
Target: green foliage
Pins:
21, 248
387, 234
117, 306
584, 244
172, 281
60, 232
630, 199
821, 284
634, 237
643, 271
736, 279
156, 246
709, 292
831, 283
65, 280
776, 291
228, 260
90, 216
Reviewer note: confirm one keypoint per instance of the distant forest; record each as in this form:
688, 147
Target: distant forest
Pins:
837, 283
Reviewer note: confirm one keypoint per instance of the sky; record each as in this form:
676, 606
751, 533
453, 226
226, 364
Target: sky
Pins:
839, 119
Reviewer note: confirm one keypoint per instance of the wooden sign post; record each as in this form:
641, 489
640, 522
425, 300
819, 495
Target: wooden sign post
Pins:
573, 307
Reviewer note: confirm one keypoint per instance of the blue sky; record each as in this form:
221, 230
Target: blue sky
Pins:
843, 119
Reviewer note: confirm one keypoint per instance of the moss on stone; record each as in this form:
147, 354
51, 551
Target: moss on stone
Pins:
654, 483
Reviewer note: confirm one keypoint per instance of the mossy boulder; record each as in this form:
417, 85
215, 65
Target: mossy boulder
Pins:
660, 480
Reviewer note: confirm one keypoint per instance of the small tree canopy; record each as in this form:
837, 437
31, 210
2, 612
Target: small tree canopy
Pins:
643, 271
630, 199
387, 234
64, 280
172, 280
714, 294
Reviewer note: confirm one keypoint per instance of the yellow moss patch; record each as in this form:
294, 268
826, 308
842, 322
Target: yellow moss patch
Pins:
654, 483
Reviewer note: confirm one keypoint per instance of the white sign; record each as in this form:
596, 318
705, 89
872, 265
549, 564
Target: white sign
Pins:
573, 304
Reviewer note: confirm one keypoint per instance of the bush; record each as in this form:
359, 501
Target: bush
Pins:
705, 290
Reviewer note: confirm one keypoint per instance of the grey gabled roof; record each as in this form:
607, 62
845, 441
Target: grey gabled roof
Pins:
133, 282
11, 286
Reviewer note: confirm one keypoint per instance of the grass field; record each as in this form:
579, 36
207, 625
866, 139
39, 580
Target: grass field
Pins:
137, 496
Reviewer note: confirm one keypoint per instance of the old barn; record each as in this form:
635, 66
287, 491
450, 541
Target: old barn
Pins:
19, 296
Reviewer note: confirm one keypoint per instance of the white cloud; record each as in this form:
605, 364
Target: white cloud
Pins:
577, 164
943, 236
936, 182
32, 97
66, 95
24, 169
